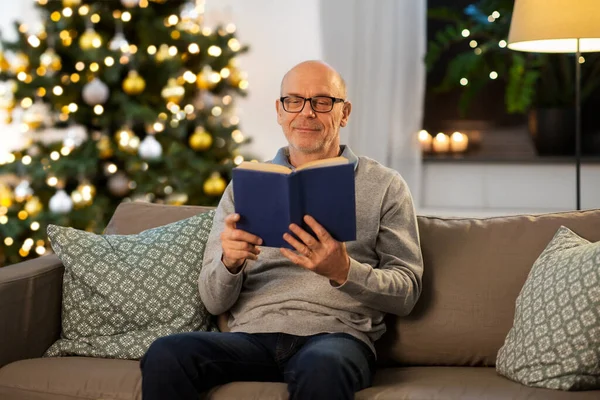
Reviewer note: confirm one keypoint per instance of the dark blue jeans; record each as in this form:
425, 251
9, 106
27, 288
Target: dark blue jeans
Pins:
324, 366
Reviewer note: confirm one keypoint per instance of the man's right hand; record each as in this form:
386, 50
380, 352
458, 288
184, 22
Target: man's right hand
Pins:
238, 245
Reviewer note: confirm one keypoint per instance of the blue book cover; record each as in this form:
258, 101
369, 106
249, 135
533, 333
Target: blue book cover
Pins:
269, 197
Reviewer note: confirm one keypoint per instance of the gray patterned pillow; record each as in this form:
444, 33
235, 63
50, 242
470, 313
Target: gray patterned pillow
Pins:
555, 339
121, 292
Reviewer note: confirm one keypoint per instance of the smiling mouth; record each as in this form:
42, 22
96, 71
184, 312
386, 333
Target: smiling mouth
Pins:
306, 129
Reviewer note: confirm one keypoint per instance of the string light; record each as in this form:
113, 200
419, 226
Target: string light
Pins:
237, 136
502, 44
493, 75
192, 48
55, 155
473, 43
26, 160
126, 16
98, 109
34, 41
214, 51
464, 81
465, 33
491, 19
496, 14
189, 77
57, 90
67, 12
234, 44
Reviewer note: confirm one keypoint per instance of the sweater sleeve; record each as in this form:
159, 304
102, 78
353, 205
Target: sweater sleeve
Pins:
394, 286
219, 288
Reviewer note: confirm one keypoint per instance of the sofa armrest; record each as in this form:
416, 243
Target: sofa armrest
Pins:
30, 307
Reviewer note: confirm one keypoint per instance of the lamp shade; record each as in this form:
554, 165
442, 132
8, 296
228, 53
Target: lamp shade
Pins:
553, 26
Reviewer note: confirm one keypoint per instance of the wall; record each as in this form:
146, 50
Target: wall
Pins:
264, 26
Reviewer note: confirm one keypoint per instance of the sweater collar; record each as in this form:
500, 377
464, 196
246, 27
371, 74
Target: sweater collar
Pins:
282, 156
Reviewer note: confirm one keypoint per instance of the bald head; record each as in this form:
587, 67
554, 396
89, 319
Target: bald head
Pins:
312, 67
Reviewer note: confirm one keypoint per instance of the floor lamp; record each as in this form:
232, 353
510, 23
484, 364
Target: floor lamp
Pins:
559, 26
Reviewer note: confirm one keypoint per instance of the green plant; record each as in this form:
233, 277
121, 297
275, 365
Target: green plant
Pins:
531, 79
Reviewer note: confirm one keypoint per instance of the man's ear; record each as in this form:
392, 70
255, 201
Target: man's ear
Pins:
346, 113
279, 110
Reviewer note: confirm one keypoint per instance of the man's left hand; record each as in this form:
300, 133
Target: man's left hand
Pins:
323, 254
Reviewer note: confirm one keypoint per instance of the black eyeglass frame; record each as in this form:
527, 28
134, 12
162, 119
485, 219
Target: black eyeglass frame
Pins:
334, 100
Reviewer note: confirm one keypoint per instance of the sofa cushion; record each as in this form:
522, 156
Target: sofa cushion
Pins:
474, 271
71, 378
121, 292
95, 378
134, 217
555, 339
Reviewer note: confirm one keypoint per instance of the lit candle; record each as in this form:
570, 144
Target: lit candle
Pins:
459, 142
441, 143
425, 140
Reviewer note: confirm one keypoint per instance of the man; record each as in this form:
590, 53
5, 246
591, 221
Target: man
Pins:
307, 317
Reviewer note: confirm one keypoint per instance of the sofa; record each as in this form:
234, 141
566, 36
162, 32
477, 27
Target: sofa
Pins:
445, 349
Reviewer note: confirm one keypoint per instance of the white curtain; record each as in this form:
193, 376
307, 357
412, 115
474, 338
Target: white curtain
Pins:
378, 47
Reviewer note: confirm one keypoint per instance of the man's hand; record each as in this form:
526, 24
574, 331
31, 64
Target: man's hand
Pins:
238, 245
323, 254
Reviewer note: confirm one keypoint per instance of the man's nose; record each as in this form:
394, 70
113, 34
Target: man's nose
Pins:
307, 110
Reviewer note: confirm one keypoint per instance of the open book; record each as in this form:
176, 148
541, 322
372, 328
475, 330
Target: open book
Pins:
269, 197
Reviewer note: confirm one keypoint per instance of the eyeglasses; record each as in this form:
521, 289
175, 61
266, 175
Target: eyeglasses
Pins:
320, 104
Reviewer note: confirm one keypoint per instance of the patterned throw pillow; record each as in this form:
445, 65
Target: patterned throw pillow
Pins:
555, 339
121, 292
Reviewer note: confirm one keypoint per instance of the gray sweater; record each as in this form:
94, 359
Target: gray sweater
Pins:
272, 294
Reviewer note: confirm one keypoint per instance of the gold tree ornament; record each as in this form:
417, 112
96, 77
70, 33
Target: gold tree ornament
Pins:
90, 39
215, 185
173, 92
200, 139
50, 60
71, 3
4, 66
6, 196
104, 147
33, 206
134, 83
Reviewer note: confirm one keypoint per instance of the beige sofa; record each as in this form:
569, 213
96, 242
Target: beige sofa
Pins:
446, 349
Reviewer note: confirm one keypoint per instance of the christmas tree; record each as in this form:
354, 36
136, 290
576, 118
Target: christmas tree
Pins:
124, 100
